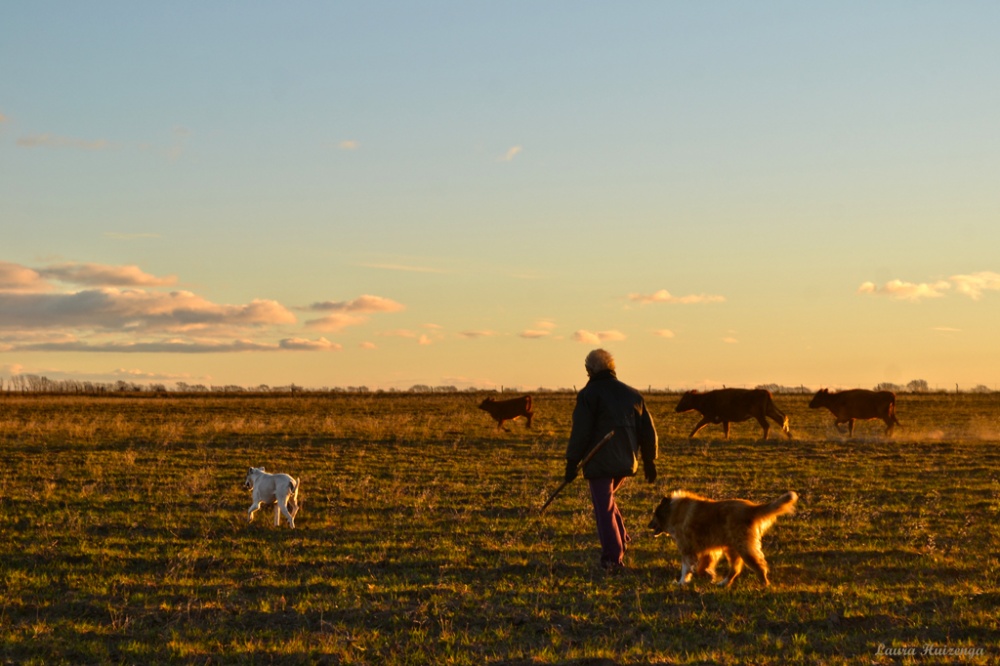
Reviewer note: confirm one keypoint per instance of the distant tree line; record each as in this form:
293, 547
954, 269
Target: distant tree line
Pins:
28, 383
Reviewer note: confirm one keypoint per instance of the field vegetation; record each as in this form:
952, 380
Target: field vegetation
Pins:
420, 542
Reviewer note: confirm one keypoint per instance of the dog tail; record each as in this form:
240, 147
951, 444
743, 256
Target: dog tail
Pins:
766, 514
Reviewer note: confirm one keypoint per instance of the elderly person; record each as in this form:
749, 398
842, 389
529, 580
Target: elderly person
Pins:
606, 404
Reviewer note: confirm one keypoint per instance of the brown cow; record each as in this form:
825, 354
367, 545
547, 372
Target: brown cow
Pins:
733, 405
508, 410
853, 404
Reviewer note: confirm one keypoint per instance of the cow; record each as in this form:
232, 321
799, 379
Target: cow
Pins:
853, 404
730, 405
278, 489
508, 410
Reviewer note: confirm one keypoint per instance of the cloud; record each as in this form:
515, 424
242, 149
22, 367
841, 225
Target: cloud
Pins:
336, 322
20, 278
972, 285
593, 338
730, 340
350, 313
663, 333
534, 334
181, 346
477, 334
302, 344
511, 153
975, 284
368, 345
349, 144
946, 329
104, 275
664, 296
110, 308
163, 346
53, 141
906, 291
365, 303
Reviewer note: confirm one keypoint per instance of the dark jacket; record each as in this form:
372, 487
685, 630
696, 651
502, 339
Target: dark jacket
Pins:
606, 404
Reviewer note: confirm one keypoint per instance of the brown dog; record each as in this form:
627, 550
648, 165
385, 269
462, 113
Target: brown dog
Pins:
706, 529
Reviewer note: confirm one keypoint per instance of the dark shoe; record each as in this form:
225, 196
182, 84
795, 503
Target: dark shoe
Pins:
614, 568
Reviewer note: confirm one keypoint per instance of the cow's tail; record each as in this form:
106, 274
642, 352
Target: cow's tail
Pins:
295, 490
765, 514
527, 404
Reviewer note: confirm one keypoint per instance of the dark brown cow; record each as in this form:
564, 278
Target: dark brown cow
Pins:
730, 405
853, 404
508, 410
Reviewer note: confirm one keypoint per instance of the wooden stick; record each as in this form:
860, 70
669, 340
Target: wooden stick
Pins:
593, 451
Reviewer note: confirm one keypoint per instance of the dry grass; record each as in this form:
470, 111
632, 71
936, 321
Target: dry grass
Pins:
419, 539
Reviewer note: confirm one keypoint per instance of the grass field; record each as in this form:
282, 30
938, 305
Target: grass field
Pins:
419, 541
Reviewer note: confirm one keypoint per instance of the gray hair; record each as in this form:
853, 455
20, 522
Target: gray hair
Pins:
598, 361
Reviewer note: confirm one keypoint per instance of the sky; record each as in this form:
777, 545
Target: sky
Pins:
391, 194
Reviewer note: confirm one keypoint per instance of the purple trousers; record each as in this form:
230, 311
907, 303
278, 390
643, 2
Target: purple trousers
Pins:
610, 524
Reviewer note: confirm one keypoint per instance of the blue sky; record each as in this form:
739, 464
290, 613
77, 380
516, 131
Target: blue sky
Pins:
477, 194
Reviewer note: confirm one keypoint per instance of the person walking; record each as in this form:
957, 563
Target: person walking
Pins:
606, 404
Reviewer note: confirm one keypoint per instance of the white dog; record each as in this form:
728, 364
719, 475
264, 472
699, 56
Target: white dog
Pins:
278, 489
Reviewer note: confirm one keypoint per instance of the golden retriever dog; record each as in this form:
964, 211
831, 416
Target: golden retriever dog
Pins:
705, 529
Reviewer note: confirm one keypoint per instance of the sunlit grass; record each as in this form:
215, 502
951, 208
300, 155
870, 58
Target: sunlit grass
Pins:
420, 541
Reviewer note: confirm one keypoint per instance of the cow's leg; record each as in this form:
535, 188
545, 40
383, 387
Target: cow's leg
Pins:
725, 428
284, 509
528, 416
850, 427
701, 424
837, 424
253, 509
763, 424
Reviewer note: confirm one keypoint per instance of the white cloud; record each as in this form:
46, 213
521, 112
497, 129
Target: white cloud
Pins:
906, 291
534, 334
663, 333
593, 338
511, 153
975, 284
664, 296
349, 144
